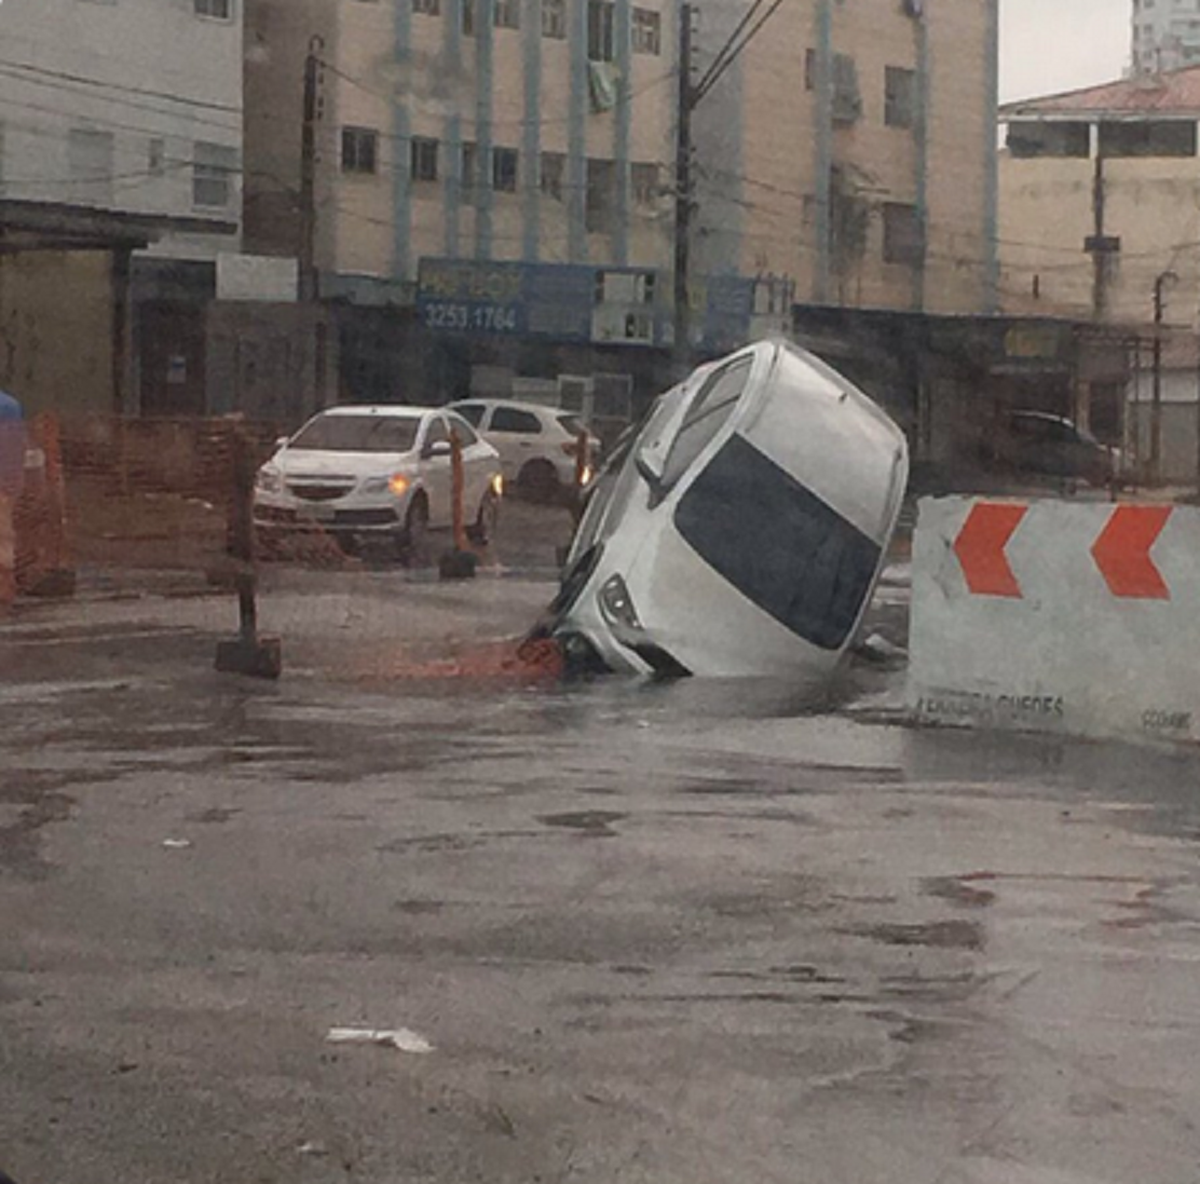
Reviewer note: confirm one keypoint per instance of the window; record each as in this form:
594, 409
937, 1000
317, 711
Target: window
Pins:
1148, 138
600, 208
360, 150
646, 184
156, 157
779, 544
509, 419
471, 412
554, 165
212, 175
468, 18
470, 166
506, 14
221, 10
90, 164
900, 97
427, 7
601, 38
847, 98
504, 170
1027, 140
810, 69
647, 31
359, 433
466, 434
423, 159
435, 433
901, 234
554, 19
711, 408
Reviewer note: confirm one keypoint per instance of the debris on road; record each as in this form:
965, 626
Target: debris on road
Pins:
177, 844
403, 1039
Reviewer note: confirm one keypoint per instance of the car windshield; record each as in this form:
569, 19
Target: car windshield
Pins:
359, 433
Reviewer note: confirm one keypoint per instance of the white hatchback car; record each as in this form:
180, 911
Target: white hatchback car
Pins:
377, 474
537, 445
740, 530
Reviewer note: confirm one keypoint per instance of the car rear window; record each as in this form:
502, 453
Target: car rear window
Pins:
359, 433
572, 423
777, 543
471, 412
509, 419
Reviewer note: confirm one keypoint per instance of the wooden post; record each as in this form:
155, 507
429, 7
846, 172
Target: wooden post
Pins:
458, 486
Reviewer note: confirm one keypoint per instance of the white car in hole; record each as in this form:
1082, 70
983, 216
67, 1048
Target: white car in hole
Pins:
369, 475
538, 445
740, 530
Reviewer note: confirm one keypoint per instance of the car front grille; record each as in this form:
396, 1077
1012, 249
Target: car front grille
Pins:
314, 491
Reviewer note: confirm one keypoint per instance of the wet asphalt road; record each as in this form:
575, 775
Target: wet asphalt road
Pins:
653, 933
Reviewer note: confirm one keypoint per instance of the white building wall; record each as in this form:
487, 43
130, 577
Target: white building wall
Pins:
1166, 35
110, 103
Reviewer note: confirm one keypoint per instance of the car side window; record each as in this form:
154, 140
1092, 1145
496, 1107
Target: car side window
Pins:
471, 412
704, 419
436, 433
509, 419
466, 433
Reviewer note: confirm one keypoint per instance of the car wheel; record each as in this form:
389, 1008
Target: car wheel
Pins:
483, 530
538, 481
413, 543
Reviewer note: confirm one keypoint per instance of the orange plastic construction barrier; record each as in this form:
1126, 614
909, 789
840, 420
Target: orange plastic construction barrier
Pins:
43, 566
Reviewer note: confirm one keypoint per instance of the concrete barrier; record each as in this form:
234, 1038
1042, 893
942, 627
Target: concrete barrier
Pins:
1057, 616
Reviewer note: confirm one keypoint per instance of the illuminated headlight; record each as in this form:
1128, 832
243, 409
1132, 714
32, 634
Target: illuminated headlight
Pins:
269, 481
498, 485
397, 485
617, 605
585, 478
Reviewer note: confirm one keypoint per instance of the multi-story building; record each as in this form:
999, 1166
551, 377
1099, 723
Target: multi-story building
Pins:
120, 146
1166, 35
849, 149
531, 133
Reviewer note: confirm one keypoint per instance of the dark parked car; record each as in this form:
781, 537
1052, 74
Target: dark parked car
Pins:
1039, 444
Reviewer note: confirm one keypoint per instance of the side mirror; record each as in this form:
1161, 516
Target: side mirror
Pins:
282, 442
437, 448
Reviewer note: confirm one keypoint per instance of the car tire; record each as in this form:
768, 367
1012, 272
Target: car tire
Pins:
483, 529
414, 541
538, 481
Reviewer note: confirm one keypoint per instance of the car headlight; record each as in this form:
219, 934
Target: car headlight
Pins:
498, 484
269, 481
617, 605
397, 485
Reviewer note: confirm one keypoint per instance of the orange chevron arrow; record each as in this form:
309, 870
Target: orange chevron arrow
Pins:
1122, 552
980, 548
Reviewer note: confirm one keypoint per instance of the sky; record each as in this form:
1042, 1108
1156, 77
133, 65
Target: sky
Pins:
1053, 45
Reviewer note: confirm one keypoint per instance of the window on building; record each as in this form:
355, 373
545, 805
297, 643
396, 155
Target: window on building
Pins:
360, 150
427, 7
1175, 137
902, 238
1028, 140
601, 35
213, 169
221, 10
423, 159
646, 184
847, 98
810, 69
468, 18
156, 157
504, 170
647, 31
900, 97
90, 163
554, 165
600, 208
554, 19
470, 166
506, 14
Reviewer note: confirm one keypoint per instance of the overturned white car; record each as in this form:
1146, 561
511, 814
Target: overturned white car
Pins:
740, 529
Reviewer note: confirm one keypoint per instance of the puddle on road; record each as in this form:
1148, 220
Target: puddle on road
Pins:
595, 824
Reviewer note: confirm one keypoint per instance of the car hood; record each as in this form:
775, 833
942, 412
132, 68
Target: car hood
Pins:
300, 462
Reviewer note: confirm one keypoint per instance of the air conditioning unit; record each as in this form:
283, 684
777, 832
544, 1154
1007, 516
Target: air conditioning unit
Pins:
575, 394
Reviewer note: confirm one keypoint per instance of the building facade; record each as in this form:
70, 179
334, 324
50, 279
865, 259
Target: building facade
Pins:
488, 131
1166, 35
132, 106
847, 154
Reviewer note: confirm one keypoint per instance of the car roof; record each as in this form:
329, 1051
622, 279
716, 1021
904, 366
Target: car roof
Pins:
389, 410
1045, 416
515, 404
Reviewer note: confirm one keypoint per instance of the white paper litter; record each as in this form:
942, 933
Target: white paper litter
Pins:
177, 844
404, 1039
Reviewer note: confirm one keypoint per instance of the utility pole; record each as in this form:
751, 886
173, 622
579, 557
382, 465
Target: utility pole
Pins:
307, 252
683, 193
1156, 379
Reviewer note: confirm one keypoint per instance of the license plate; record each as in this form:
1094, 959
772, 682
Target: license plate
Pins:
318, 513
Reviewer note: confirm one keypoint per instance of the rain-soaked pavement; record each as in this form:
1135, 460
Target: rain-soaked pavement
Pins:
675, 933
